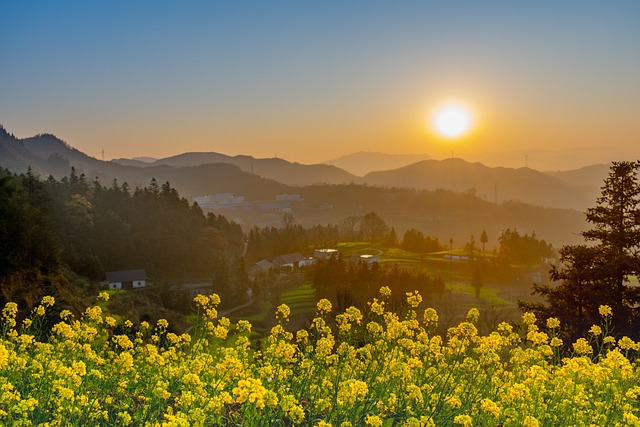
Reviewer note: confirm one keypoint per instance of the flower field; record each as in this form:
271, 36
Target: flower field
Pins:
376, 368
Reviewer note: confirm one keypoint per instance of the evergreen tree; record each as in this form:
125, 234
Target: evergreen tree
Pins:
591, 276
616, 229
484, 239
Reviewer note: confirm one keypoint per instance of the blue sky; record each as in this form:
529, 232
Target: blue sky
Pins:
309, 81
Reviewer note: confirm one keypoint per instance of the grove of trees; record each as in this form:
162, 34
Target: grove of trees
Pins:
599, 272
88, 228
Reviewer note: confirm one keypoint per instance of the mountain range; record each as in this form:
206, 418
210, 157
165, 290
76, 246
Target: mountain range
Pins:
204, 173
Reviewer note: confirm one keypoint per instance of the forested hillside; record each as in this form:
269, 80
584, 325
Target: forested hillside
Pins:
88, 228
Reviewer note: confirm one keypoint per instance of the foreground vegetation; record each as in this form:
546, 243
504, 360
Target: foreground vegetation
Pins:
371, 367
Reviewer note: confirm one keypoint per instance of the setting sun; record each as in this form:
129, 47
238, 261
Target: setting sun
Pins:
452, 120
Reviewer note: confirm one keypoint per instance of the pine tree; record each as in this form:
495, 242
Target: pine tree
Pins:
598, 274
616, 229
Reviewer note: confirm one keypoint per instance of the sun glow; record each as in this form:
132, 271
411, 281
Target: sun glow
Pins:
452, 120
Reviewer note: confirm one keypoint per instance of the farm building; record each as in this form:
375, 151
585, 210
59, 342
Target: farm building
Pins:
325, 253
126, 279
259, 268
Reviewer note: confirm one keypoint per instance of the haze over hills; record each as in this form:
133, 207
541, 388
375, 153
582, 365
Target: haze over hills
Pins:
564, 159
363, 162
494, 184
275, 168
196, 174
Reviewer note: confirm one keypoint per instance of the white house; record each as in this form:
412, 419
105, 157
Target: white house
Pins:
368, 258
325, 253
126, 279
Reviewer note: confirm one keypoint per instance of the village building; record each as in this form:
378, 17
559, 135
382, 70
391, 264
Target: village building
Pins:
288, 260
325, 253
368, 258
126, 279
260, 268
222, 201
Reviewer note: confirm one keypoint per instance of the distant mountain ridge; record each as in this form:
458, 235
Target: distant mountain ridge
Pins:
364, 162
275, 168
196, 174
493, 184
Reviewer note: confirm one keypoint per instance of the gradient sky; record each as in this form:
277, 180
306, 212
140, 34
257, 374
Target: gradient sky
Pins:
309, 81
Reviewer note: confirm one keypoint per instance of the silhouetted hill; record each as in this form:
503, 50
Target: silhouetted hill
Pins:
214, 178
364, 162
444, 214
14, 156
549, 160
275, 168
494, 184
47, 154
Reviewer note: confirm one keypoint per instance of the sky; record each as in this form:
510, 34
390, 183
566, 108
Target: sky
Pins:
310, 81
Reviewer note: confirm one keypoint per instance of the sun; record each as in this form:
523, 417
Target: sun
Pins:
452, 120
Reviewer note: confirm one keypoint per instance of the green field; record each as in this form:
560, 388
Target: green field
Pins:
301, 300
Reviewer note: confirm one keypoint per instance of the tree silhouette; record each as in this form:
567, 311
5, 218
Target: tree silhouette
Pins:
595, 275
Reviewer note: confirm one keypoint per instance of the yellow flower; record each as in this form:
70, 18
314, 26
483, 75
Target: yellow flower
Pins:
373, 420
162, 323
582, 346
385, 291
94, 313
244, 326
553, 323
529, 318
595, 330
250, 390
302, 336
201, 300
48, 300
431, 316
414, 299
323, 306
605, 311
110, 321
463, 420
282, 312
123, 342
556, 342
453, 402
473, 315
4, 356
626, 343
103, 296
351, 391
488, 405
377, 307
530, 421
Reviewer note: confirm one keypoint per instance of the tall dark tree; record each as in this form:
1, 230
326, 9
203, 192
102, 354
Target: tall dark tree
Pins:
484, 239
594, 275
616, 229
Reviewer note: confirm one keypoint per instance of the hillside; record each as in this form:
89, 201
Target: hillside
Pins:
363, 162
494, 184
275, 168
411, 196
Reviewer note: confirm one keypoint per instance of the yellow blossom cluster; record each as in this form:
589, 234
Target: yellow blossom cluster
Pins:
358, 368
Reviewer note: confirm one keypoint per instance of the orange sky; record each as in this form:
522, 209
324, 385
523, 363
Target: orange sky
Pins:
313, 81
